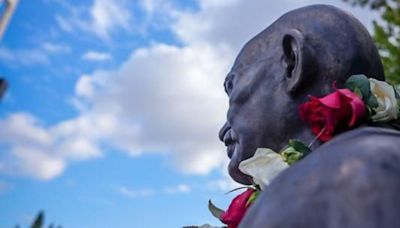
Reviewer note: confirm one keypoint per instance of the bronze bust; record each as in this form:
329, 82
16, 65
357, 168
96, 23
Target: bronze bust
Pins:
351, 181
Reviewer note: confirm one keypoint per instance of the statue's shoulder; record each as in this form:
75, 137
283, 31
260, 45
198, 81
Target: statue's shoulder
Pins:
368, 132
351, 181
365, 140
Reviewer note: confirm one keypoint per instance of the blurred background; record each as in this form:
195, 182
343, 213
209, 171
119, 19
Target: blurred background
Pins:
112, 110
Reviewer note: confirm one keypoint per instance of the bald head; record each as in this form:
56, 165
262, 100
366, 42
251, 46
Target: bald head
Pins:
301, 53
336, 45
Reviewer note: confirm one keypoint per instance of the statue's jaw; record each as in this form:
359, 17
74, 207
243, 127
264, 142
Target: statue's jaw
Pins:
236, 174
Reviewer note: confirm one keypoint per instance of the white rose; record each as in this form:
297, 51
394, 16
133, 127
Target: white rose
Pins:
264, 166
387, 104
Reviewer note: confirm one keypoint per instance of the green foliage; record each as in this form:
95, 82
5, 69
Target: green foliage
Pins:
215, 211
359, 82
38, 222
294, 152
361, 86
299, 146
386, 34
252, 197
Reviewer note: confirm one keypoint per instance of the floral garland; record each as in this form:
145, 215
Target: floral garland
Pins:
362, 100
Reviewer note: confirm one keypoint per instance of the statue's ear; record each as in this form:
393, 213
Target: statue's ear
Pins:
293, 59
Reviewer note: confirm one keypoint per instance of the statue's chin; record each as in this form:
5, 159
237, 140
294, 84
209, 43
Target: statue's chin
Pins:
236, 174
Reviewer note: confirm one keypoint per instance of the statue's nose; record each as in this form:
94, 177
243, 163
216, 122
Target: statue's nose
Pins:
223, 131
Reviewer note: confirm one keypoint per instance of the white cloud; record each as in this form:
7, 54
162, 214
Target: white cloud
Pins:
36, 162
213, 22
96, 56
53, 48
40, 152
108, 14
224, 182
27, 143
135, 193
148, 5
84, 87
181, 188
157, 6
64, 23
25, 130
100, 19
162, 99
23, 57
147, 192
155, 96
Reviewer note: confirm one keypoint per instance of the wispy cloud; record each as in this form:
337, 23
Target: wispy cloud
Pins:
32, 56
108, 14
96, 56
223, 184
23, 57
100, 19
135, 193
53, 48
64, 23
181, 188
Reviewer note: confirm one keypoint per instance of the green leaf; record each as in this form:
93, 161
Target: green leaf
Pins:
385, 34
398, 114
358, 92
359, 82
236, 189
299, 146
252, 198
291, 156
295, 151
369, 112
215, 211
396, 92
372, 101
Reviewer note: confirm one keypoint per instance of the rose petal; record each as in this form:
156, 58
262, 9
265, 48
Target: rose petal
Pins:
331, 100
236, 209
357, 105
264, 166
387, 103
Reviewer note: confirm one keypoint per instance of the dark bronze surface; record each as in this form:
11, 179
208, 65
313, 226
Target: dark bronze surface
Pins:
303, 53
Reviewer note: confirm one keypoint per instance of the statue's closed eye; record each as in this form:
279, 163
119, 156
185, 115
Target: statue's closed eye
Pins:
228, 84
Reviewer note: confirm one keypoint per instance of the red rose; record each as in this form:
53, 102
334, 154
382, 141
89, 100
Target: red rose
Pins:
335, 112
236, 209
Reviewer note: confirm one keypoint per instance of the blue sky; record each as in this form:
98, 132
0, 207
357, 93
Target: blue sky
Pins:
113, 108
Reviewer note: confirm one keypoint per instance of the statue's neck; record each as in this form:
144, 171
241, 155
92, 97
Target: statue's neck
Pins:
308, 138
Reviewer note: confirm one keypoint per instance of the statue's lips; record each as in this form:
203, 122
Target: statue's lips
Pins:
228, 136
229, 142
234, 171
230, 150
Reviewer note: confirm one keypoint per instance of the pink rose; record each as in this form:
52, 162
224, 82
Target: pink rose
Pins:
237, 209
335, 112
